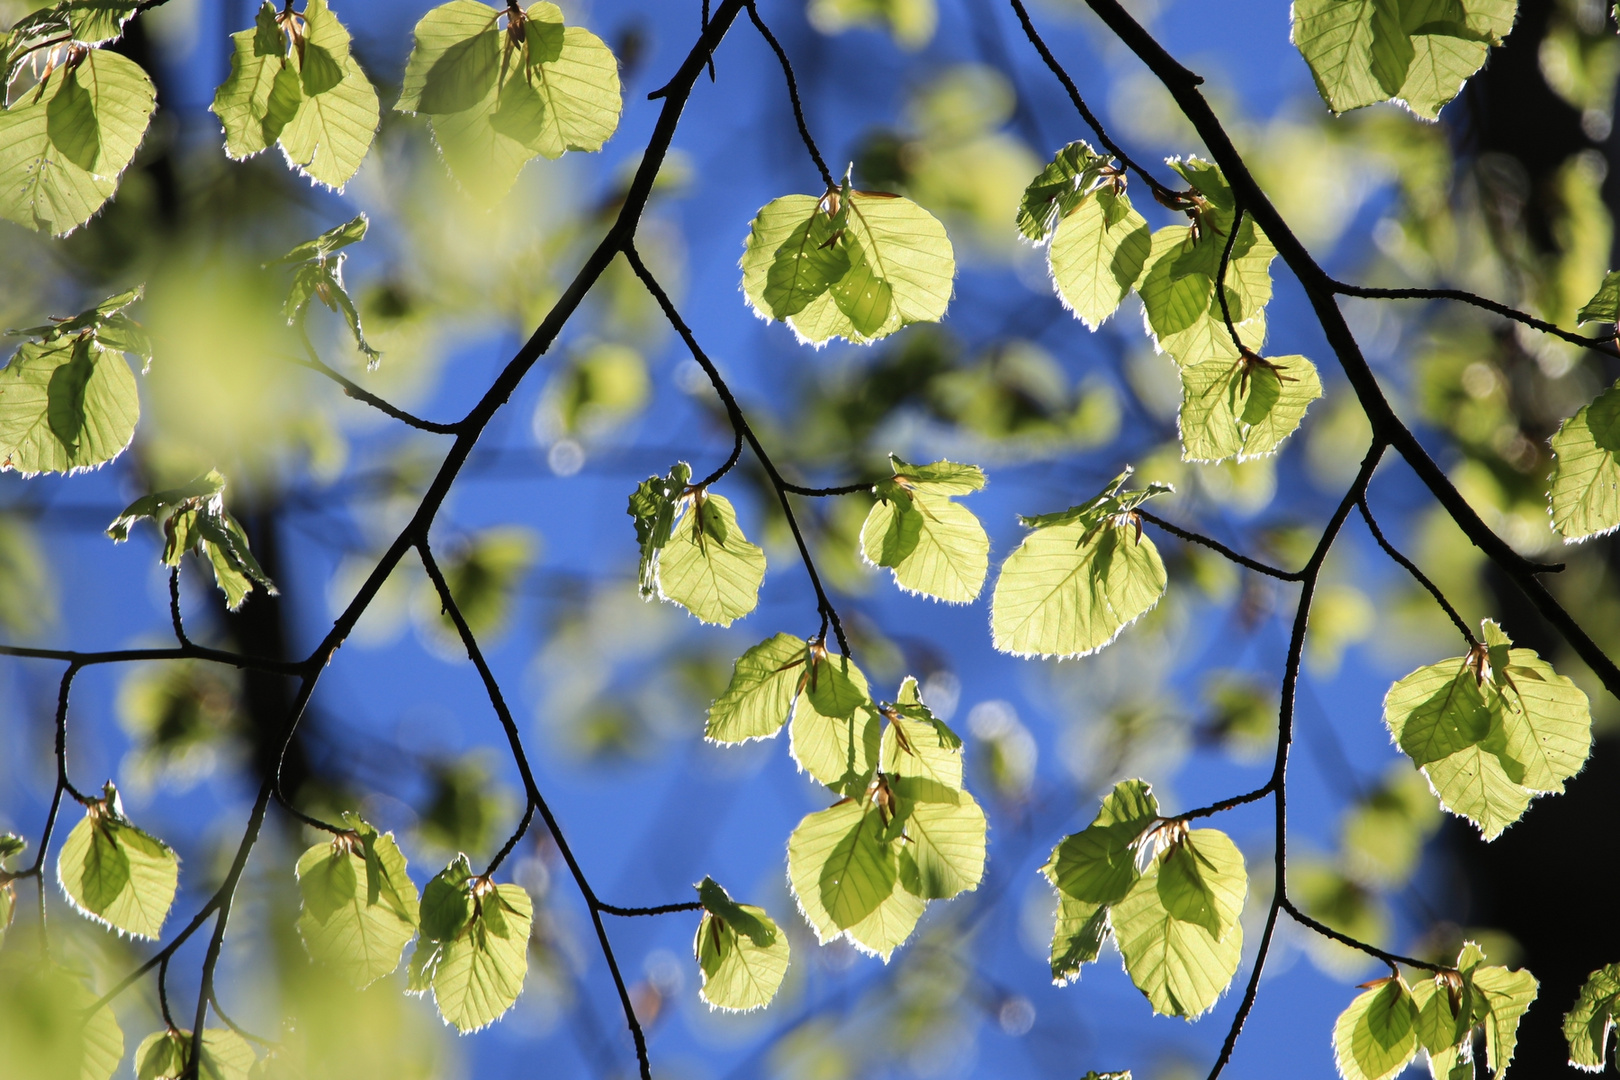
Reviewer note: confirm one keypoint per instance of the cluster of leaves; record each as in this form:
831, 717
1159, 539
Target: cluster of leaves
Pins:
1491, 730
317, 268
1235, 402
1382, 1030
1171, 896
193, 518
852, 264
1418, 53
693, 552
496, 95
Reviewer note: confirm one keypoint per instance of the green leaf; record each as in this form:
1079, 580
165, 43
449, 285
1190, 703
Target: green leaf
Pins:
1491, 736
764, 682
474, 947
318, 274
1605, 303
115, 873
164, 1055
1077, 580
741, 952
1444, 1015
943, 838
1507, 996
888, 927
900, 265
842, 867
1164, 932
96, 22
1590, 1020
66, 405
1244, 410
709, 567
359, 906
934, 546
64, 146
1585, 485
193, 518
836, 729
45, 1028
652, 507
1058, 189
313, 99
1375, 1038
1416, 52
497, 99
1094, 869
1098, 254
918, 744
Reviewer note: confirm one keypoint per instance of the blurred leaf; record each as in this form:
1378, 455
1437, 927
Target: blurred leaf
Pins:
44, 1030
177, 714
193, 519
910, 22
485, 573
463, 806
166, 1055
605, 384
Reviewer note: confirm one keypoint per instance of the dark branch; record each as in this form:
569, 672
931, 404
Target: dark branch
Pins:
662, 909
124, 656
793, 95
174, 608
1227, 804
1220, 282
727, 465
1322, 292
1606, 346
1411, 568
822, 492
1345, 939
1220, 548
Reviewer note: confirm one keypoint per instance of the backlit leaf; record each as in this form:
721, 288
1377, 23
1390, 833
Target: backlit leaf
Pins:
1246, 409
1078, 579
359, 905
741, 952
1585, 486
1376, 1036
836, 729
64, 146
1058, 189
841, 866
933, 545
1590, 1020
709, 567
164, 1055
473, 952
193, 518
115, 873
1098, 253
764, 682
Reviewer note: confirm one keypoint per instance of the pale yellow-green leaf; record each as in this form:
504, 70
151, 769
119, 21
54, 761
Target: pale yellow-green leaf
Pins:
933, 545
1590, 1021
836, 729
1179, 965
1077, 937
328, 137
1585, 486
943, 850
480, 972
740, 951
65, 406
1069, 589
1376, 1035
359, 907
1244, 409
757, 701
842, 867
709, 567
1507, 995
164, 1055
117, 874
889, 925
1097, 255
916, 744
63, 149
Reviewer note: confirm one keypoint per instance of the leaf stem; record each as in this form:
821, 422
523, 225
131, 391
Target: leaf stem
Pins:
1411, 568
359, 393
1220, 548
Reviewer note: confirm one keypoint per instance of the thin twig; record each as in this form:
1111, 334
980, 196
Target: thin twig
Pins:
740, 422
661, 909
537, 801
823, 492
793, 95
1220, 282
512, 841
359, 393
1159, 190
174, 607
1345, 939
1220, 548
1606, 346
727, 465
1411, 568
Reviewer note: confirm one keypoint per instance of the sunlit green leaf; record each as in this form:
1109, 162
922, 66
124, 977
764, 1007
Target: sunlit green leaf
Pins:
64, 146
193, 518
1590, 1020
1376, 1036
841, 866
900, 265
318, 275
836, 729
1585, 486
943, 838
709, 567
1244, 410
115, 873
1491, 730
1507, 996
741, 952
1058, 189
1094, 869
1098, 253
473, 952
934, 546
764, 682
1077, 580
918, 744
165, 1055
359, 905
95, 22
1605, 303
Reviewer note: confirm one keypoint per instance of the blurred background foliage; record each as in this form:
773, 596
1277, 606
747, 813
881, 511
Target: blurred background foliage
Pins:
1511, 196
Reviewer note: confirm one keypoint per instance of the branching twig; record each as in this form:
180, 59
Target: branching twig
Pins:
740, 422
1411, 568
1606, 346
359, 393
1220, 548
793, 95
